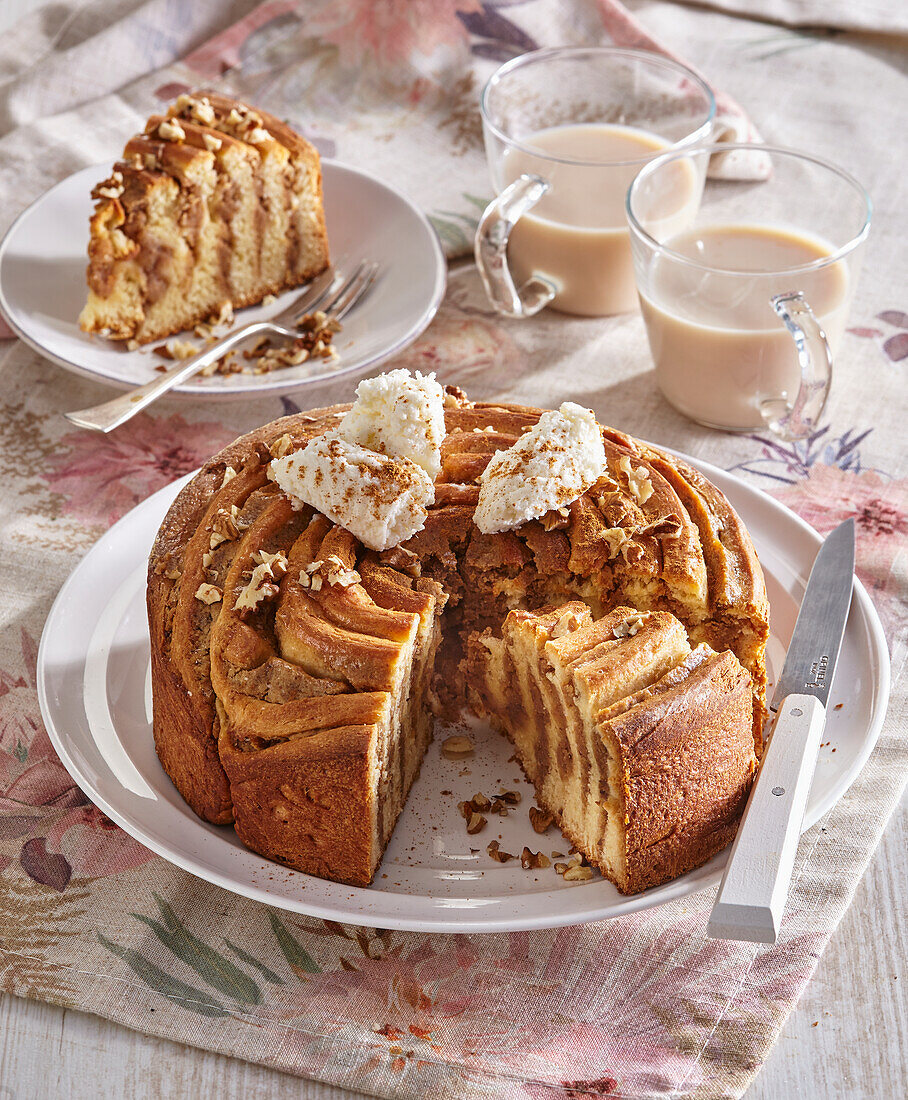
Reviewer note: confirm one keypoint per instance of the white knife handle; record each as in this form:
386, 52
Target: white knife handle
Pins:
753, 890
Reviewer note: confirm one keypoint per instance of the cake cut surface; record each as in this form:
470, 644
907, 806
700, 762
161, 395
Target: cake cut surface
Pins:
213, 207
618, 641
640, 747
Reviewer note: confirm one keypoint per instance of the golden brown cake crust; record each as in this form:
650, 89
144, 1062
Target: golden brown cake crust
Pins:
675, 546
687, 771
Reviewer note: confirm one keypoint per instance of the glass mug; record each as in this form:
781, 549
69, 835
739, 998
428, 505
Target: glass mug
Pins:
566, 130
745, 303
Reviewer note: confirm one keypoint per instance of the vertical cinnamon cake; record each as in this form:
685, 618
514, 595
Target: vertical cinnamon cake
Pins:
300, 651
213, 207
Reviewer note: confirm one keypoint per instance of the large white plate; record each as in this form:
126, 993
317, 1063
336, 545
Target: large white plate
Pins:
94, 688
42, 284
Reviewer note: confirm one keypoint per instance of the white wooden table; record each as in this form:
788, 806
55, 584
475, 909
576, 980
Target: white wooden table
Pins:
848, 1035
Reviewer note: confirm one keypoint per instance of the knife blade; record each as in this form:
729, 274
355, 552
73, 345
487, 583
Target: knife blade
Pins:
754, 887
814, 647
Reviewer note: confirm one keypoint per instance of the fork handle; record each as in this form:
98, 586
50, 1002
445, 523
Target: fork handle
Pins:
113, 413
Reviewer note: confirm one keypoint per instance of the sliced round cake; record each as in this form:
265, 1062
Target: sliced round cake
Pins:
617, 637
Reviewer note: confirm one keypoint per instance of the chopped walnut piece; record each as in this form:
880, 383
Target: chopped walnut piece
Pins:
331, 569
638, 481
224, 526
339, 574
172, 574
567, 623
496, 853
530, 860
258, 136
403, 560
201, 110
224, 314
616, 537
560, 868
455, 398
315, 341
181, 349
667, 527
209, 593
456, 747
281, 447
556, 519
171, 130
578, 873
629, 627
540, 819
150, 161
472, 812
229, 475
262, 584
510, 798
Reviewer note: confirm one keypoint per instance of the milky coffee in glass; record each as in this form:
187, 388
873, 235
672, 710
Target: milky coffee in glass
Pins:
718, 348
746, 305
566, 130
576, 235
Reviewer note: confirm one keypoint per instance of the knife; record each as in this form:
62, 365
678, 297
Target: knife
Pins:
753, 890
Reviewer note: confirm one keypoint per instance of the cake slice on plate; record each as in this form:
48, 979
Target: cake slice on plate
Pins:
213, 207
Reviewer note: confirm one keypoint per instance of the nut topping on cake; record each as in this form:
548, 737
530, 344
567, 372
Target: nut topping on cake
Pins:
548, 468
629, 627
209, 593
638, 481
262, 586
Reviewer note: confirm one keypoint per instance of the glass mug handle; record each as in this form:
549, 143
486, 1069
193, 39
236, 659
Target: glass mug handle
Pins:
491, 250
798, 420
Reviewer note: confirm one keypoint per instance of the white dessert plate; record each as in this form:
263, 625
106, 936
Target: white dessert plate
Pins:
95, 694
42, 285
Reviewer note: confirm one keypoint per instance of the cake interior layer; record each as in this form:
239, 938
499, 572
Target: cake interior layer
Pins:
566, 689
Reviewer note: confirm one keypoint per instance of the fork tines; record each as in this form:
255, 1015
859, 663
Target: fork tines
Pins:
338, 300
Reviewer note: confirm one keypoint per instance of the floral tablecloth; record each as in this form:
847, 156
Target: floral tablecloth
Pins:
644, 1006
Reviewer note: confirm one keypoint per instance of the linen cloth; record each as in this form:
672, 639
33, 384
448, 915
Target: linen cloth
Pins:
640, 1007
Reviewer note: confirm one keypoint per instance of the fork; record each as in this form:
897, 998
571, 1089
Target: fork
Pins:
330, 292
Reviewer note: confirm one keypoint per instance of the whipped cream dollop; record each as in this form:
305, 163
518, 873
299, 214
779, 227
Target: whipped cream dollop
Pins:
399, 414
380, 498
549, 467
